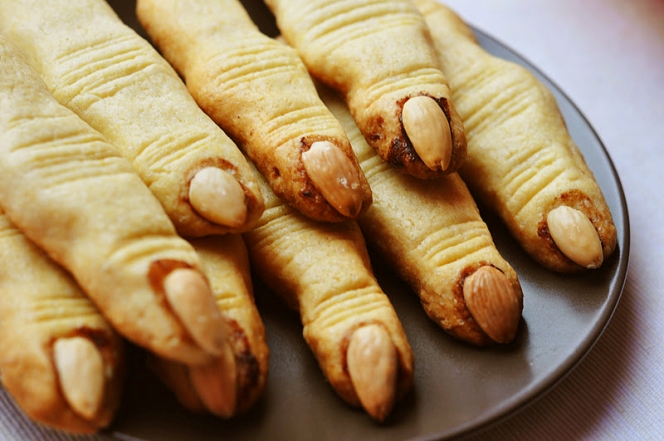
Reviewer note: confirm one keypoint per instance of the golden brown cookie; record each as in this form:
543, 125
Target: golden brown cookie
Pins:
522, 161
431, 233
202, 388
71, 193
259, 91
378, 56
323, 271
60, 360
117, 82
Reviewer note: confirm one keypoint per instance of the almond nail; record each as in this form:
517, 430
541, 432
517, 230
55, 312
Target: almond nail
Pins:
493, 302
80, 369
334, 175
216, 384
429, 132
575, 236
217, 196
191, 300
372, 366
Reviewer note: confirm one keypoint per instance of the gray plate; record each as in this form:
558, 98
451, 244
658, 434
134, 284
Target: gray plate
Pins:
457, 388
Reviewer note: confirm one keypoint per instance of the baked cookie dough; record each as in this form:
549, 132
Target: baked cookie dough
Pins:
378, 55
118, 83
431, 233
259, 91
522, 162
72, 194
322, 270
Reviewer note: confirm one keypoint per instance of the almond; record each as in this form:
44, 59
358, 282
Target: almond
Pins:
493, 302
191, 299
429, 132
372, 366
80, 369
575, 236
335, 176
216, 195
216, 384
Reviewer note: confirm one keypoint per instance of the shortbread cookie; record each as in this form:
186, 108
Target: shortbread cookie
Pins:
323, 271
259, 91
202, 388
522, 162
118, 83
431, 233
378, 56
59, 359
71, 193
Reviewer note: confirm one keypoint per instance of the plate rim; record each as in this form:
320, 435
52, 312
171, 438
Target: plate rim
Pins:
515, 406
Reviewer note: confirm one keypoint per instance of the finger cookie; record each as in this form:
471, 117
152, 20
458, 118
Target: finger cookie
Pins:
522, 161
258, 90
60, 360
118, 83
203, 388
378, 56
71, 193
323, 271
431, 233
